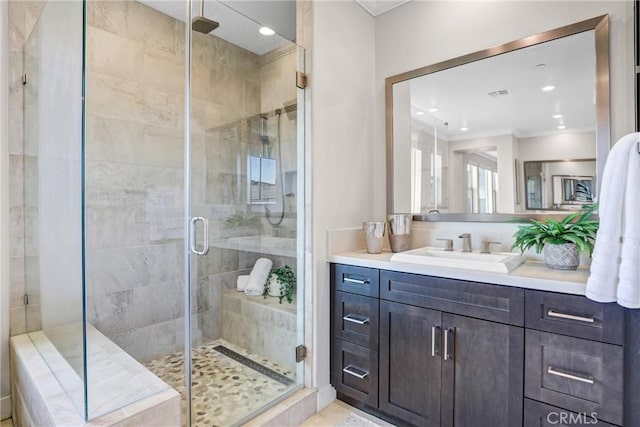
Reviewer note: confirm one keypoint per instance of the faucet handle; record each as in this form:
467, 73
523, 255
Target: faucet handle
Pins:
448, 244
486, 246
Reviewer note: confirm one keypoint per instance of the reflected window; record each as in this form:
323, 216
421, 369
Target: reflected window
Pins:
262, 183
482, 189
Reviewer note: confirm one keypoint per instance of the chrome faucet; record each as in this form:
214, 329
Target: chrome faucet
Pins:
486, 246
466, 242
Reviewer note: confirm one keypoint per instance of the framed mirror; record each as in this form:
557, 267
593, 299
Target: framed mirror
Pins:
466, 136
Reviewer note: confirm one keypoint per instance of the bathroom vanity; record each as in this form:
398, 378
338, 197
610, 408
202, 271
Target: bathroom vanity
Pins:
441, 347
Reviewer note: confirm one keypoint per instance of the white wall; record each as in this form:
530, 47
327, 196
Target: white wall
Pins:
557, 147
343, 169
5, 398
420, 33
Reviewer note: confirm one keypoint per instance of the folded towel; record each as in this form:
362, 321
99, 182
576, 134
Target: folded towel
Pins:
258, 276
241, 283
602, 284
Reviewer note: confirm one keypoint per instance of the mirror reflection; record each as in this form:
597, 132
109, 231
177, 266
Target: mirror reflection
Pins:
516, 132
565, 185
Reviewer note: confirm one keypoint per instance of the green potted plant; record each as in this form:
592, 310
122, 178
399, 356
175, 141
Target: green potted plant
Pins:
281, 283
563, 241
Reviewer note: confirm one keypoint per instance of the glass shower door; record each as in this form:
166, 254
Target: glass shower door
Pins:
245, 193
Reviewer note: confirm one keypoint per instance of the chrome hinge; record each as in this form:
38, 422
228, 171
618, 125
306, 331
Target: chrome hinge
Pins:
301, 80
301, 353
26, 299
24, 79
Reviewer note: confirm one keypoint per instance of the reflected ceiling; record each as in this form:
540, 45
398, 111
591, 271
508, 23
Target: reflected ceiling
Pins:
488, 101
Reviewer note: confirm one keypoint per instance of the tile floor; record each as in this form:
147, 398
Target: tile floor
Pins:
223, 391
333, 415
337, 414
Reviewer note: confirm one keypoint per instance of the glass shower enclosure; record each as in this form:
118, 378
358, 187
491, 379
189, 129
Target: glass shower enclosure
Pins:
161, 165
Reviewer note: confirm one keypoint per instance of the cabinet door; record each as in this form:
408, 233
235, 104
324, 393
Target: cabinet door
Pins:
410, 363
482, 373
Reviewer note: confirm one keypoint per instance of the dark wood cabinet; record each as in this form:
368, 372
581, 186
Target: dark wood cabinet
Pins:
432, 351
440, 369
410, 363
482, 374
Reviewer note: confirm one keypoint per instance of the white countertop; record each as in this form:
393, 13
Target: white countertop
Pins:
530, 275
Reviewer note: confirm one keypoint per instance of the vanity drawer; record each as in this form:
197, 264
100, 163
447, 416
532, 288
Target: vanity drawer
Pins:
538, 414
574, 315
489, 302
576, 374
355, 280
354, 371
355, 319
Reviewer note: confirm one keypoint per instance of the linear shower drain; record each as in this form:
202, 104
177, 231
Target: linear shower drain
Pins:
253, 365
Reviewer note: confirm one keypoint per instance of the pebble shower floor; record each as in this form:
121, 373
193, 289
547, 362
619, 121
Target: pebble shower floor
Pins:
223, 390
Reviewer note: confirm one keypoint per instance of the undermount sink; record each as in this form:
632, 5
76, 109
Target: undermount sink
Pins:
495, 262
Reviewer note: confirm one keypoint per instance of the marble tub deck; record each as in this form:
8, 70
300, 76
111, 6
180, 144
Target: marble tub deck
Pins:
224, 391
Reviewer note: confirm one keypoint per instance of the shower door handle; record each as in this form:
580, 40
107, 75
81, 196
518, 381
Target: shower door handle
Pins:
205, 244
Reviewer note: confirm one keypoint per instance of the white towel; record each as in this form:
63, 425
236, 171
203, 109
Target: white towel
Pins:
241, 283
629, 284
602, 284
258, 277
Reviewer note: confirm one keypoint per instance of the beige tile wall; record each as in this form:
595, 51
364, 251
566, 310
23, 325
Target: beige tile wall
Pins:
23, 16
135, 128
134, 189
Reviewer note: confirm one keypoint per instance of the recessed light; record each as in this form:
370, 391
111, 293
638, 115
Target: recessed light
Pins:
433, 109
464, 129
557, 116
419, 113
562, 127
266, 31
548, 88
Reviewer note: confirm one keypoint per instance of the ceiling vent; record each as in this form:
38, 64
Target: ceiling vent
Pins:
497, 93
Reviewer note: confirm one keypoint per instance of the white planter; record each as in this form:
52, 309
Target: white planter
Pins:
275, 286
561, 256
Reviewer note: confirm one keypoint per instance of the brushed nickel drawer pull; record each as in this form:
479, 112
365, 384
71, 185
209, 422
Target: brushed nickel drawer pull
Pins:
357, 281
554, 371
355, 371
448, 352
553, 313
360, 320
435, 330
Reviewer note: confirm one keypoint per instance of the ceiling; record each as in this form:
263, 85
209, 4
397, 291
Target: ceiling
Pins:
461, 94
240, 20
378, 7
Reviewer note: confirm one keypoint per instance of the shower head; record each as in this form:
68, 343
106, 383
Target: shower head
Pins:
201, 24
